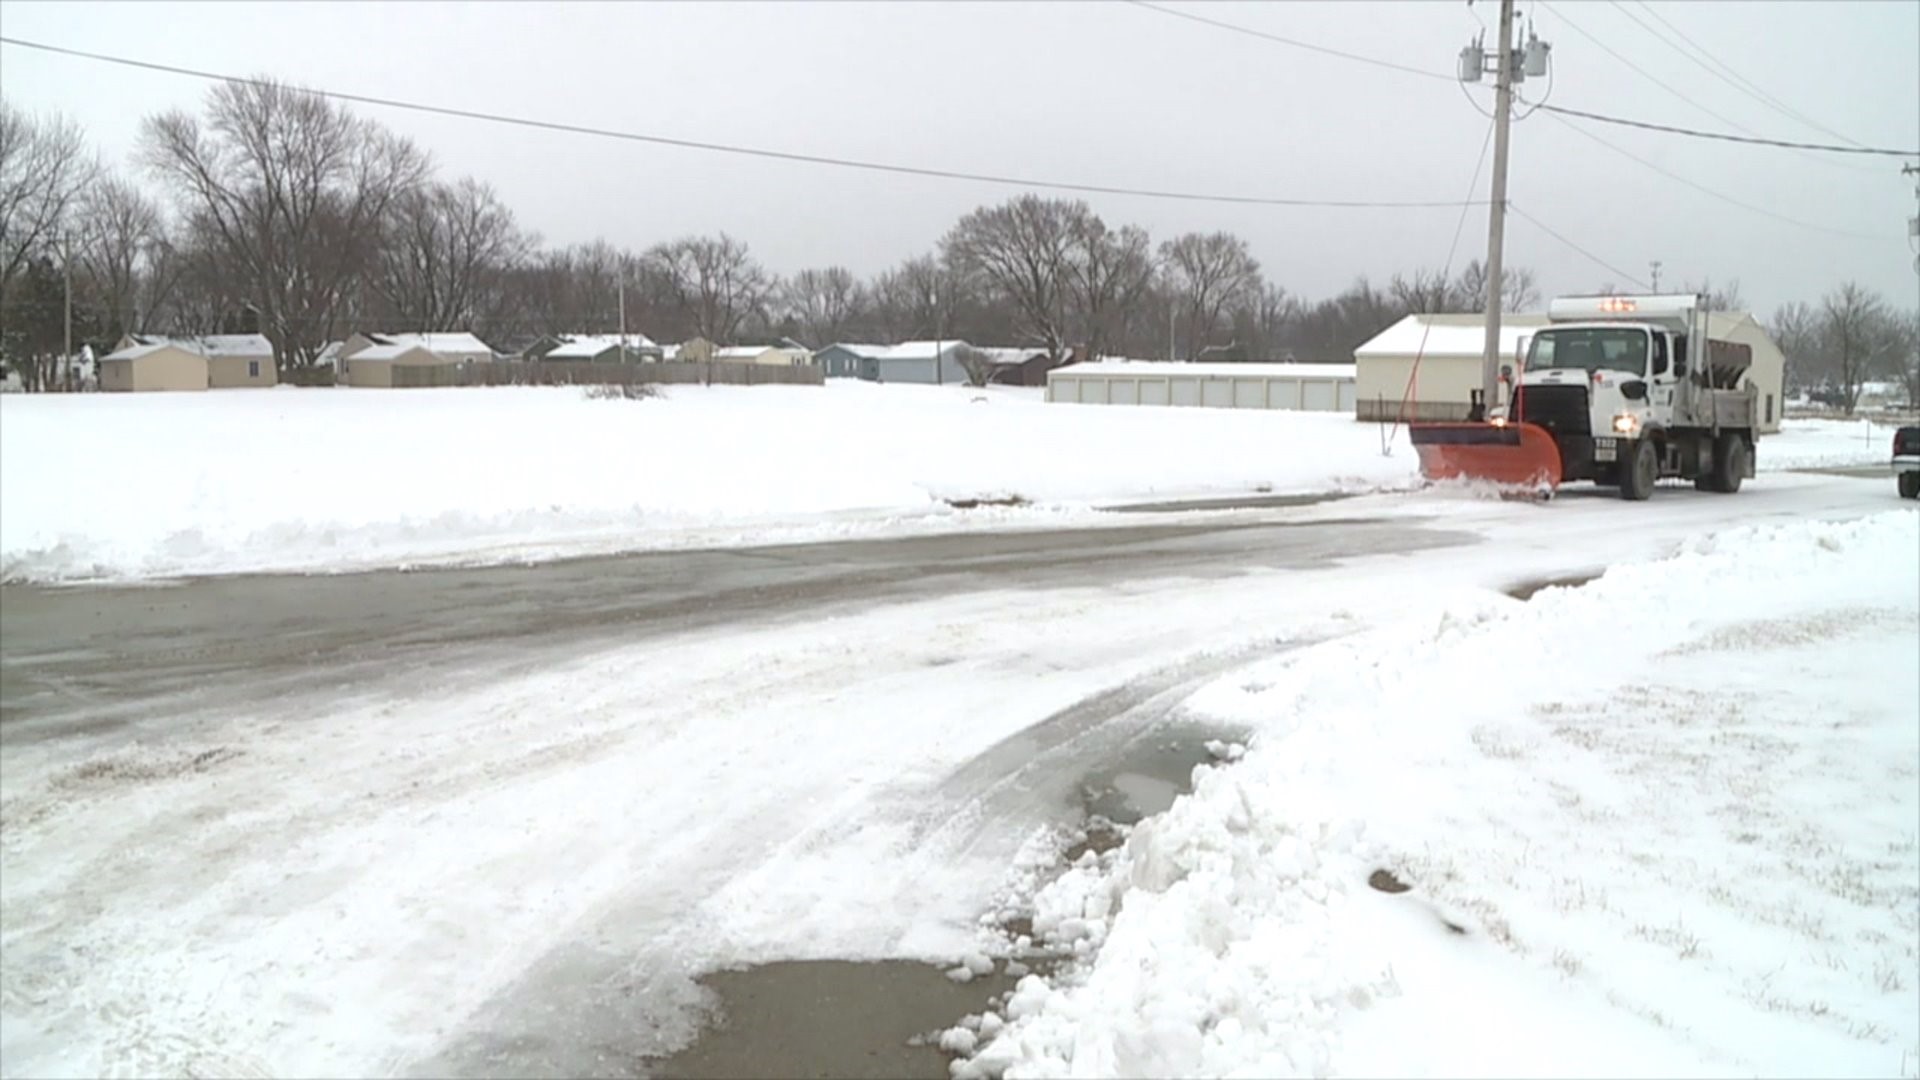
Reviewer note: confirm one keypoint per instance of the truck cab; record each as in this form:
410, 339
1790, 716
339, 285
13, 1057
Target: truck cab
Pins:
1632, 390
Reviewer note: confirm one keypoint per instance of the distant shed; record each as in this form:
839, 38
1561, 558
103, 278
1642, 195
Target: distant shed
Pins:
1298, 387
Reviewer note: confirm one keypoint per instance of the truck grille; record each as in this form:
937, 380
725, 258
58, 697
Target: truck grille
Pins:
1562, 410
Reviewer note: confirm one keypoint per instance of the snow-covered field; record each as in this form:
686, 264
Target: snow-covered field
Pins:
141, 486
1674, 814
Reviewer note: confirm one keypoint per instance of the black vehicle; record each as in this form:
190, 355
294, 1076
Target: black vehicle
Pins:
1906, 461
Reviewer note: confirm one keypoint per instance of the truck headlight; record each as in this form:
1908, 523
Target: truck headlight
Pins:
1626, 424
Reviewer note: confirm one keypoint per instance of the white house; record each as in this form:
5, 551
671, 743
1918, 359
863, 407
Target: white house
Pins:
775, 355
231, 361
453, 346
914, 362
601, 348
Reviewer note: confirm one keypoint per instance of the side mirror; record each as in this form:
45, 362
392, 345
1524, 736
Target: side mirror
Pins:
1634, 390
1679, 368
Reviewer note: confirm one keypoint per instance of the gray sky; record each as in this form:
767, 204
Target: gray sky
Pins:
1104, 93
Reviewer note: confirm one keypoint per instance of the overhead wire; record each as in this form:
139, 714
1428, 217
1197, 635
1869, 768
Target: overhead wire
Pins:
1702, 55
1294, 42
1827, 148
1590, 256
759, 152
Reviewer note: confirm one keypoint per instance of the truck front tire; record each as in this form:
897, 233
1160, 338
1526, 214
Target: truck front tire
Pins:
1910, 485
1639, 471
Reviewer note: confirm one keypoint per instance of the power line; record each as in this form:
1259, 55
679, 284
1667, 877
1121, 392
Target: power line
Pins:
1722, 196
1591, 257
1602, 117
1715, 66
1693, 133
1644, 73
723, 148
1295, 43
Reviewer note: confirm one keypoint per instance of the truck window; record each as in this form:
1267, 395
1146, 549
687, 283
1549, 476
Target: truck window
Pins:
1659, 354
1589, 349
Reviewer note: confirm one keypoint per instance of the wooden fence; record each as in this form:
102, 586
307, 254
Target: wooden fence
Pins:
544, 373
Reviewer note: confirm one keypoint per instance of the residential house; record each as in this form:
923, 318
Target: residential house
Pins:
692, 351
234, 361
917, 362
1018, 367
785, 352
161, 365
373, 365
450, 345
842, 360
601, 349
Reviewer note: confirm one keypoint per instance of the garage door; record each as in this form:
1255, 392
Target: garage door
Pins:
1059, 389
1153, 392
1186, 391
1093, 391
1249, 393
1348, 396
1283, 394
1123, 392
1318, 395
1216, 393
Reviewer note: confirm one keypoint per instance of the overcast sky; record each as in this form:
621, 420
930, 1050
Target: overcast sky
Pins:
1103, 93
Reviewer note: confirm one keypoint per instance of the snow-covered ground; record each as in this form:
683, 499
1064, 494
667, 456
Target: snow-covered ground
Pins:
1674, 815
142, 486
345, 883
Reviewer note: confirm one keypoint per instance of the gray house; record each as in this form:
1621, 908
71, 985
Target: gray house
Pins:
915, 362
842, 360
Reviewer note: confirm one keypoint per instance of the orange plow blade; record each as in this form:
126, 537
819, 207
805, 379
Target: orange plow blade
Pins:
1511, 454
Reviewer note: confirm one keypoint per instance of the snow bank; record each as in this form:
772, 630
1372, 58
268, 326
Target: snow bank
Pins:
1662, 824
1808, 444
129, 486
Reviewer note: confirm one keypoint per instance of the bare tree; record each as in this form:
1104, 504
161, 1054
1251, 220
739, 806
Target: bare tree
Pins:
715, 281
291, 189
921, 298
1211, 273
447, 250
1796, 329
977, 363
44, 169
1429, 292
1109, 272
1724, 298
1518, 288
824, 303
123, 254
1853, 325
1022, 250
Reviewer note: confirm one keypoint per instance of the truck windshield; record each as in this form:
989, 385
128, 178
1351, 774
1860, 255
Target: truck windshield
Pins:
1591, 349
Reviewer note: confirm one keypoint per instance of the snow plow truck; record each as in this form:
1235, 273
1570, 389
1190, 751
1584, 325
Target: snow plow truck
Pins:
1623, 391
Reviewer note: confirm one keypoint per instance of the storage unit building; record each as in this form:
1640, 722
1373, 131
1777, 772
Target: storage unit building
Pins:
1299, 387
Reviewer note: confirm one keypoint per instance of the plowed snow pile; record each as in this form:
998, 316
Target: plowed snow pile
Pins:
1661, 824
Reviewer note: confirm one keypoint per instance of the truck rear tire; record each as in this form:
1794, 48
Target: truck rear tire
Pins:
1639, 472
1729, 463
1910, 485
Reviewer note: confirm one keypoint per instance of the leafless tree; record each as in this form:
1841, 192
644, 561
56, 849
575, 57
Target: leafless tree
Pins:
1429, 292
291, 188
447, 250
1796, 329
824, 303
977, 363
1519, 290
1211, 273
1109, 272
1022, 250
715, 281
1854, 328
919, 299
1724, 298
122, 254
44, 168
1266, 319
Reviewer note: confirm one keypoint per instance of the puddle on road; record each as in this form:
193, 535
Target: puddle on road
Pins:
1151, 773
1525, 590
829, 1018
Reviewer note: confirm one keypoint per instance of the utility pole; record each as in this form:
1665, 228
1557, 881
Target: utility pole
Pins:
1510, 66
1497, 208
1913, 223
623, 316
1173, 315
66, 269
939, 328
1654, 266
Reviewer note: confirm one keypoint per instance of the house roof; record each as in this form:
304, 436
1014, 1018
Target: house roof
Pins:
1005, 357
1447, 335
1160, 368
921, 350
584, 346
135, 352
859, 350
387, 352
742, 352
253, 345
448, 341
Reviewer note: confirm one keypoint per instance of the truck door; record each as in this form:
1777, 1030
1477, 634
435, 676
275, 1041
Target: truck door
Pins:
1661, 382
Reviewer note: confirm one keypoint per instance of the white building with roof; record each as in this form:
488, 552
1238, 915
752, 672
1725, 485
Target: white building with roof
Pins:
601, 348
917, 362
1296, 387
226, 362
453, 346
